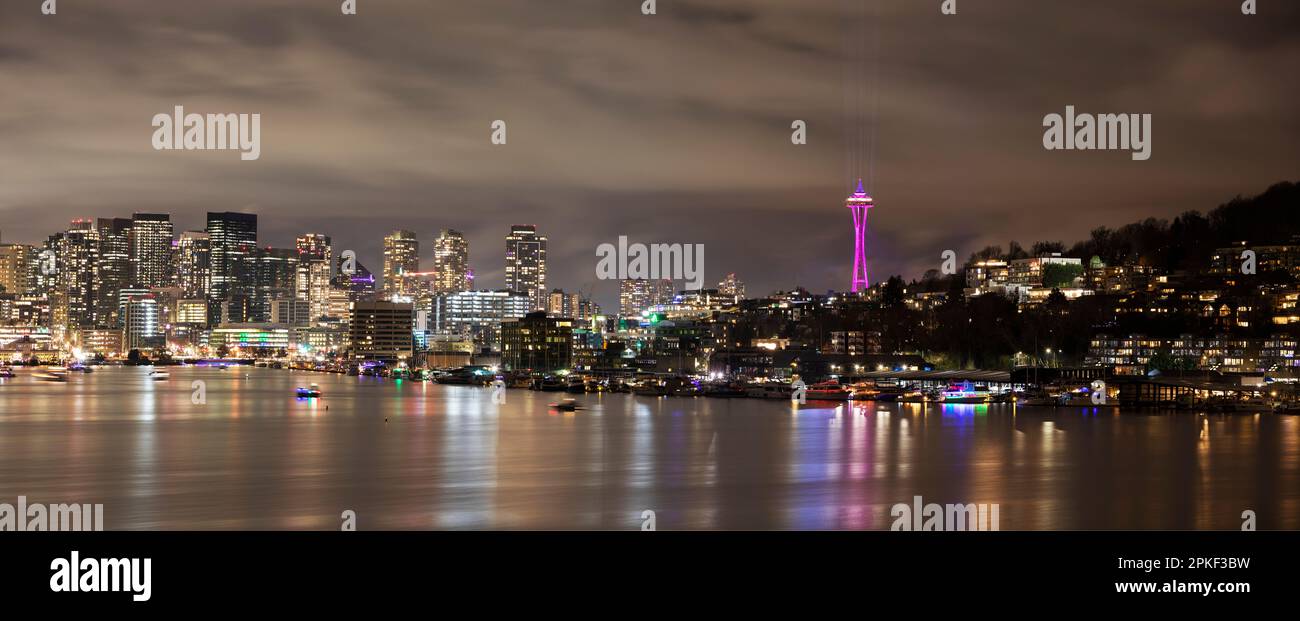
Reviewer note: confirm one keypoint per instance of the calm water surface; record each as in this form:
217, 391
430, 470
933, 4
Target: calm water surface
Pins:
412, 455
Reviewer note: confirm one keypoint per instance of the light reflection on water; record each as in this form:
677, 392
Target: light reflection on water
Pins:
257, 457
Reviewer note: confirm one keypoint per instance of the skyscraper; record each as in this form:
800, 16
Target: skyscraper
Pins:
401, 256
233, 238
276, 274
151, 247
526, 263
115, 269
194, 264
314, 247
450, 262
859, 204
72, 298
314, 284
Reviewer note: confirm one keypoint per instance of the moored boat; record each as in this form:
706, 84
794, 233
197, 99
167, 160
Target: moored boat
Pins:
770, 390
724, 390
1039, 398
830, 390
650, 388
966, 392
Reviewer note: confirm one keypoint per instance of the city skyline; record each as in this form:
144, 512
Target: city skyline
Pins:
407, 142
180, 270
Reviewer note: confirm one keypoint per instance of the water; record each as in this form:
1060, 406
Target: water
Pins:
413, 455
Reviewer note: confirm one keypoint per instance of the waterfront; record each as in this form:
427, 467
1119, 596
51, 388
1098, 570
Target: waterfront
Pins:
254, 457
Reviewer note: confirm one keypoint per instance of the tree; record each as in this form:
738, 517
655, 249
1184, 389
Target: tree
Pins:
1060, 275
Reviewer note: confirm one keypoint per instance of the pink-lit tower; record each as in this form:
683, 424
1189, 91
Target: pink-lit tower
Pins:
858, 203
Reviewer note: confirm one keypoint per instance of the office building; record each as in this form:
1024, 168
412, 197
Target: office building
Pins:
537, 343
381, 331
150, 249
477, 314
233, 242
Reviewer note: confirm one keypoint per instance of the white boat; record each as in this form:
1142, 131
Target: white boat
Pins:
159, 375
1040, 398
769, 391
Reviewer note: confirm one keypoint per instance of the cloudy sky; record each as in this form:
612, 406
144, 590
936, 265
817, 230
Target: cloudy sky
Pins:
666, 128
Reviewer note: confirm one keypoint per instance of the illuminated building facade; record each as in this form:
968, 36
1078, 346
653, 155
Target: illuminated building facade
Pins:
151, 248
526, 263
451, 262
401, 257
536, 342
381, 331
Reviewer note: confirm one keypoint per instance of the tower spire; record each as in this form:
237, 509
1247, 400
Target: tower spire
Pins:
859, 203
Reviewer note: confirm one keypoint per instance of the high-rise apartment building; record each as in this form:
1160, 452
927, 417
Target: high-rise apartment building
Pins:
526, 264
194, 264
115, 268
450, 262
401, 257
75, 268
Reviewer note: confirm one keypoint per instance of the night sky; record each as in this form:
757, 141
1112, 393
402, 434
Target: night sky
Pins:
665, 128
